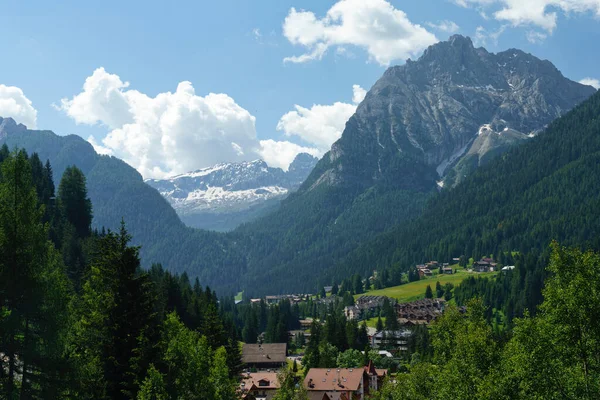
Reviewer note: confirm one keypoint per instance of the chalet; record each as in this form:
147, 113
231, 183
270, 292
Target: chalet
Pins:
481, 266
419, 312
266, 356
259, 386
397, 340
328, 289
375, 377
337, 384
306, 323
352, 312
424, 272
447, 270
273, 299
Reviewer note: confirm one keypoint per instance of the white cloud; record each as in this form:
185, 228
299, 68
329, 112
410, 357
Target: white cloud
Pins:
383, 31
482, 35
540, 13
591, 82
536, 37
445, 26
168, 134
358, 94
282, 153
320, 125
14, 104
256, 33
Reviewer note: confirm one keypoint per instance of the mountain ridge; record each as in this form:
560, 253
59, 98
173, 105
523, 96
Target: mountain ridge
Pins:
226, 195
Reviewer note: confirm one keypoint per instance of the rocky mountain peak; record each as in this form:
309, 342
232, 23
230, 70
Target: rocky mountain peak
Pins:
225, 195
9, 126
424, 115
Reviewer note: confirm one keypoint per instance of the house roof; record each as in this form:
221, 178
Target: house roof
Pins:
266, 353
341, 379
327, 396
252, 380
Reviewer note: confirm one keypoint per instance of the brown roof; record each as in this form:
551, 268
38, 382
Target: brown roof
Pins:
253, 379
264, 353
381, 372
324, 379
327, 396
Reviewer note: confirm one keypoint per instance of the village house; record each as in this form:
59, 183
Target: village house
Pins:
341, 383
424, 272
351, 312
485, 265
375, 377
388, 339
264, 357
259, 386
447, 270
420, 312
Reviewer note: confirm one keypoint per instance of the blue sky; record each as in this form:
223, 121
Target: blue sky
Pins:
237, 48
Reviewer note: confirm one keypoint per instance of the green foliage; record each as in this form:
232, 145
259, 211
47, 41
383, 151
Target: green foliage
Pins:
289, 388
34, 292
153, 387
428, 292
553, 355
350, 359
116, 330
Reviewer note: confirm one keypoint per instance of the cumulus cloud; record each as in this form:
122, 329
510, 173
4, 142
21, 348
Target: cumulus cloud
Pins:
540, 13
14, 104
383, 31
282, 153
358, 94
591, 82
445, 26
168, 134
320, 125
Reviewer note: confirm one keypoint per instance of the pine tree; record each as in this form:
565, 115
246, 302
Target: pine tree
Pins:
117, 330
34, 292
379, 325
428, 292
439, 292
74, 204
153, 387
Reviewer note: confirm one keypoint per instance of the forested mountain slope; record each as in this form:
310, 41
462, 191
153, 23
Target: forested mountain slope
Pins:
452, 110
118, 191
455, 108
548, 189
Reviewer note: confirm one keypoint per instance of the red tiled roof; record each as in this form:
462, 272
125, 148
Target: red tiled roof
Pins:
324, 379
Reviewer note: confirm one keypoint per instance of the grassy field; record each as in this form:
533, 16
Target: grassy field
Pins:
416, 290
371, 323
239, 296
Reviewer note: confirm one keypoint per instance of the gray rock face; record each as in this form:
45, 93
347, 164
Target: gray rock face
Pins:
422, 118
226, 195
9, 126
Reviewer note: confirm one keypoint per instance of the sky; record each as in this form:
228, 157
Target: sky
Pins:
171, 87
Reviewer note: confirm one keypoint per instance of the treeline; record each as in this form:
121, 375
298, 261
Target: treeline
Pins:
554, 355
78, 316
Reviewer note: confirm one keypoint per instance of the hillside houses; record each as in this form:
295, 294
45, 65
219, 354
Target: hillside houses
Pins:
264, 357
420, 312
365, 307
259, 385
343, 383
486, 264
